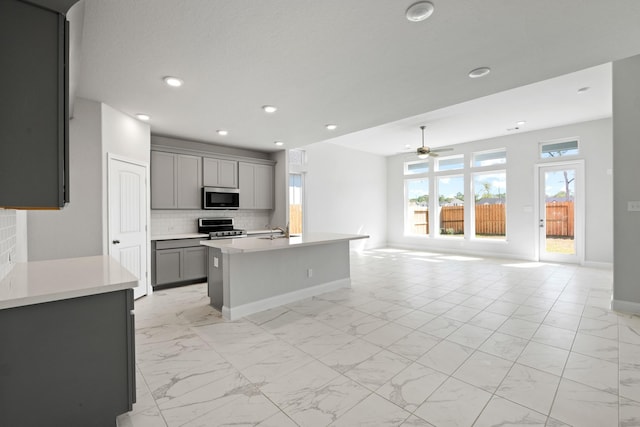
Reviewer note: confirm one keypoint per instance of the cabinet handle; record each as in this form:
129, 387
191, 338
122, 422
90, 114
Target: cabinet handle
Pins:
116, 242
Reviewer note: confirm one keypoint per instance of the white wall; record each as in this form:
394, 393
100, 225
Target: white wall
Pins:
346, 192
75, 230
626, 119
522, 156
128, 138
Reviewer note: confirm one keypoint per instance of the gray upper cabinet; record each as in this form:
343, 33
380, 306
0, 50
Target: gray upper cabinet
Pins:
256, 185
219, 173
34, 112
176, 181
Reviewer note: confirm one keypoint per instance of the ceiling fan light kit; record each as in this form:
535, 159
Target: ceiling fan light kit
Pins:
419, 11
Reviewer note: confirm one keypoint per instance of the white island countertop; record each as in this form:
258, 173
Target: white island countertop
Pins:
257, 244
45, 281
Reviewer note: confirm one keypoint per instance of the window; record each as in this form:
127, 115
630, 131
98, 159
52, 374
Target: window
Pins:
450, 163
489, 158
559, 149
490, 208
415, 168
295, 202
417, 207
451, 202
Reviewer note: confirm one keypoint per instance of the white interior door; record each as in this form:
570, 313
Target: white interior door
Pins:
561, 212
128, 218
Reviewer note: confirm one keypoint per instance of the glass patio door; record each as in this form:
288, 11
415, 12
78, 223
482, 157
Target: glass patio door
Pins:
560, 212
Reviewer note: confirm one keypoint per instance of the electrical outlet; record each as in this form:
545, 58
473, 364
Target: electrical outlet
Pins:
309, 272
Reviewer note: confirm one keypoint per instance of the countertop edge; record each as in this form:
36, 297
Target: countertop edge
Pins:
227, 246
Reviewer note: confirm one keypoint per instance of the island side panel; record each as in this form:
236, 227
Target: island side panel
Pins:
255, 276
215, 277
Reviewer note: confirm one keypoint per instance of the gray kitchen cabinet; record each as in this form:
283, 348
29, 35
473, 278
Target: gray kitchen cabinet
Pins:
255, 182
176, 181
219, 173
178, 261
68, 362
34, 112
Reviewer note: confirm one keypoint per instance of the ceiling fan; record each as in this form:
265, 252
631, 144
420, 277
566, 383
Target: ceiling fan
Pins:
424, 152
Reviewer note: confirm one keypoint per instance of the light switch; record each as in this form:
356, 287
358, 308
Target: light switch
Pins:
633, 206
215, 261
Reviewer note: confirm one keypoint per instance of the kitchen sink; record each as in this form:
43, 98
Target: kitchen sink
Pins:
278, 237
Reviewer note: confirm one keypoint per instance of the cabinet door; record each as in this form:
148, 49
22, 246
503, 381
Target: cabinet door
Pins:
195, 263
263, 186
210, 170
168, 266
164, 193
34, 107
246, 185
189, 182
228, 174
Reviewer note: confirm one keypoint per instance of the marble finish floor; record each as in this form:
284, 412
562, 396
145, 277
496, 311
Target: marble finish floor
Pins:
421, 339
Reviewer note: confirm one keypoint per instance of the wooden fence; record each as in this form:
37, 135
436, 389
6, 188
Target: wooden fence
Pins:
295, 219
560, 219
491, 220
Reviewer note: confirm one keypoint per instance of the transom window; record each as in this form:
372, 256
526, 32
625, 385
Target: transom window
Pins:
559, 149
450, 163
417, 167
489, 158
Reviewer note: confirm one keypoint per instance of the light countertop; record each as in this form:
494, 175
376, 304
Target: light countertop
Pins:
45, 281
256, 244
179, 236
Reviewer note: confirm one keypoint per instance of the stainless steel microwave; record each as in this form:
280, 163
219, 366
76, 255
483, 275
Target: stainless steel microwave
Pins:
220, 198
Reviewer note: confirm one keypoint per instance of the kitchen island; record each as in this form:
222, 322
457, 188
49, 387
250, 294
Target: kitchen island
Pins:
67, 355
248, 275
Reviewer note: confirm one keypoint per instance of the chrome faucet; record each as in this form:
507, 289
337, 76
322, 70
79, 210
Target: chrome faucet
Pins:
285, 231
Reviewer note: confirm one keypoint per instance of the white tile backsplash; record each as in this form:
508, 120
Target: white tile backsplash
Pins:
186, 221
7, 241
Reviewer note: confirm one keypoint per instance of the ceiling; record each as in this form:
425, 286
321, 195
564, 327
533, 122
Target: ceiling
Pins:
359, 64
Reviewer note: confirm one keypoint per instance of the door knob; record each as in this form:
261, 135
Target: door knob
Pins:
115, 242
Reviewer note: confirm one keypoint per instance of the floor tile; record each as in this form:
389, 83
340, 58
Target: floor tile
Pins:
488, 320
599, 328
378, 369
373, 411
484, 370
529, 387
519, 328
583, 406
505, 346
414, 345
387, 334
349, 355
323, 405
445, 357
246, 410
470, 335
601, 348
553, 336
629, 413
543, 357
414, 421
415, 319
454, 403
596, 373
441, 327
502, 412
412, 386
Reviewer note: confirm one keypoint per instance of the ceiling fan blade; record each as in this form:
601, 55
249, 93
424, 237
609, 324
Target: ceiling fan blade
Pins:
440, 150
433, 154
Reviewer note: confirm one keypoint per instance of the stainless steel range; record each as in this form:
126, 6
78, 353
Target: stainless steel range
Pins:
220, 228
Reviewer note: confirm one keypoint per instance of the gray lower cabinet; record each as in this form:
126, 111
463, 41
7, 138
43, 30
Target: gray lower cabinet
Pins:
69, 362
178, 261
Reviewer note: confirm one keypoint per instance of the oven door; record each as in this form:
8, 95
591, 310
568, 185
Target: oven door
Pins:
220, 198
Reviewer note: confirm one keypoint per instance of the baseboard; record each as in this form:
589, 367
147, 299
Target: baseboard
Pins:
600, 265
276, 301
625, 306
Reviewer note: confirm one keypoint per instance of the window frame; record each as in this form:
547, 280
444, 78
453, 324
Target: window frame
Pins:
472, 230
541, 145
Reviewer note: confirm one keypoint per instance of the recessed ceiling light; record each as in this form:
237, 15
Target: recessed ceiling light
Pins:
479, 72
173, 81
279, 143
144, 117
520, 123
222, 132
331, 126
583, 89
419, 11
269, 108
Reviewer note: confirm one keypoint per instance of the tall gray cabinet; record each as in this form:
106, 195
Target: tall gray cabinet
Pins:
176, 181
34, 111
